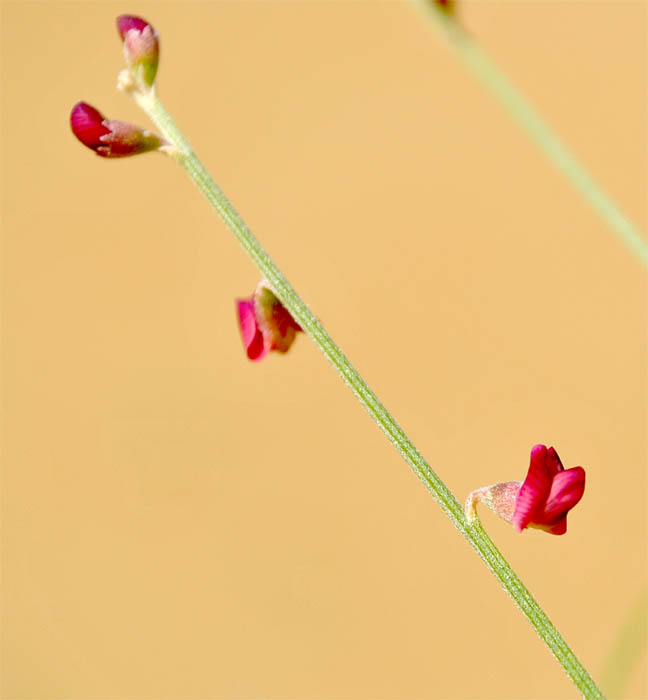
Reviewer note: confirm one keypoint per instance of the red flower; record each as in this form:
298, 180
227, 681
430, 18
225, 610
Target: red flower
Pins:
141, 47
548, 493
265, 323
109, 138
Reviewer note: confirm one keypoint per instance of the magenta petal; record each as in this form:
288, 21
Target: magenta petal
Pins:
247, 320
110, 138
558, 528
554, 465
87, 125
567, 489
534, 491
257, 349
251, 334
128, 22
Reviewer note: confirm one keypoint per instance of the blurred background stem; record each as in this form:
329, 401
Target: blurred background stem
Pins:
628, 648
491, 77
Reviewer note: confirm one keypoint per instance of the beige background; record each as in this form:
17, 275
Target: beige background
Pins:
180, 523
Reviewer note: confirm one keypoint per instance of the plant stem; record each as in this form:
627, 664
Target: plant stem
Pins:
628, 647
474, 533
492, 78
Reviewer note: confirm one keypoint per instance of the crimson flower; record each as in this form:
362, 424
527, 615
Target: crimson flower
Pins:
548, 493
265, 323
109, 138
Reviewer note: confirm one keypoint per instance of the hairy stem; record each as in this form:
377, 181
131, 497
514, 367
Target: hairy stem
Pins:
474, 533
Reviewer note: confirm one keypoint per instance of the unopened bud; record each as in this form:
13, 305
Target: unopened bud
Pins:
447, 6
141, 47
110, 138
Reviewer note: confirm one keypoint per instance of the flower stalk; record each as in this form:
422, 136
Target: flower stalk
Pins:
182, 152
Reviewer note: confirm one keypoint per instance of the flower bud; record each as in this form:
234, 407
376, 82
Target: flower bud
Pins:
265, 323
447, 6
548, 493
109, 138
141, 47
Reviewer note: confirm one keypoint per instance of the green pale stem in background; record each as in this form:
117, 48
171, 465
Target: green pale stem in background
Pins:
474, 58
627, 649
181, 151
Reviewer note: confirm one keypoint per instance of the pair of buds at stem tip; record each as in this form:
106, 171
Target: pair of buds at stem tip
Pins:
115, 139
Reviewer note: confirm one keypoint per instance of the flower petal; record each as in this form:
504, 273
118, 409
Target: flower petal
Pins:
566, 490
128, 22
554, 465
557, 528
109, 138
535, 489
87, 125
251, 334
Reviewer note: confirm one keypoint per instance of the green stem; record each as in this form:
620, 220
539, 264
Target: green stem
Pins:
490, 76
474, 533
628, 647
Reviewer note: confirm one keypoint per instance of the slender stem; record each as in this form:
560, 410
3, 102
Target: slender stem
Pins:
492, 78
628, 647
474, 533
